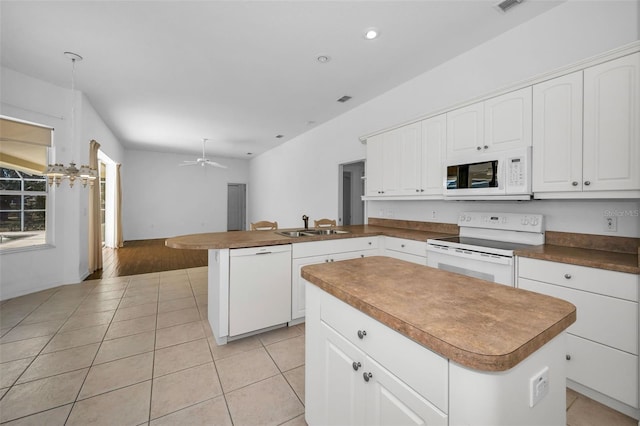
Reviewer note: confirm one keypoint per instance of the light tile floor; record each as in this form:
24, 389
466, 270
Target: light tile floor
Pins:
138, 350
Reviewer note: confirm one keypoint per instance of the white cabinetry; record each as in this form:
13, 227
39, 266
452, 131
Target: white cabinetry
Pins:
404, 249
311, 253
497, 124
585, 132
407, 161
603, 342
434, 131
611, 120
393, 162
557, 134
380, 378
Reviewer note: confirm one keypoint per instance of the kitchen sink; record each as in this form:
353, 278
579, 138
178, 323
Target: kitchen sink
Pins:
310, 232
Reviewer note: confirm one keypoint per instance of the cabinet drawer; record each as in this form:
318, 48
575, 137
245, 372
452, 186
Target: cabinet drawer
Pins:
604, 369
601, 281
417, 248
319, 248
423, 370
604, 319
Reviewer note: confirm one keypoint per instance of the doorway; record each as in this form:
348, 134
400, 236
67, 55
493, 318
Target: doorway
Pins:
351, 190
236, 206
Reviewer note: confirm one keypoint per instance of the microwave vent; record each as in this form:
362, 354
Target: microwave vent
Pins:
507, 4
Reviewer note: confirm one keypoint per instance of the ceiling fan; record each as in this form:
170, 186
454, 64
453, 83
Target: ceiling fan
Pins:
203, 160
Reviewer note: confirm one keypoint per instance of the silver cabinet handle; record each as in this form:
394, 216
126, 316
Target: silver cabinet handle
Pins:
574, 183
486, 147
417, 190
478, 148
402, 245
568, 357
369, 242
366, 376
567, 276
356, 365
361, 334
587, 182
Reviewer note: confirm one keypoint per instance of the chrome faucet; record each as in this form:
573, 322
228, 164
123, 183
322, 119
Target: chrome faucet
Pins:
305, 218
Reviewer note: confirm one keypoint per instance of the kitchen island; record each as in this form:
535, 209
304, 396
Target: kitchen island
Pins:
393, 342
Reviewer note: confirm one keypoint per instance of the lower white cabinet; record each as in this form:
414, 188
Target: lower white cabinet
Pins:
311, 253
602, 352
381, 379
404, 249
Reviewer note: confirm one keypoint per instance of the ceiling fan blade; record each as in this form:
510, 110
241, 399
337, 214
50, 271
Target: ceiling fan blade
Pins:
188, 163
214, 164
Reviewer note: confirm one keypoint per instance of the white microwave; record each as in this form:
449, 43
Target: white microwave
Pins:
502, 175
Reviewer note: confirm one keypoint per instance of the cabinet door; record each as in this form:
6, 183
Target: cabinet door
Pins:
611, 121
557, 134
434, 131
507, 121
465, 130
297, 284
391, 154
389, 401
341, 382
375, 165
410, 146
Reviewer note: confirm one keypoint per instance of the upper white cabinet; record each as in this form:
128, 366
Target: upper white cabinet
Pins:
434, 132
407, 161
392, 162
557, 134
611, 119
585, 131
499, 123
507, 121
465, 130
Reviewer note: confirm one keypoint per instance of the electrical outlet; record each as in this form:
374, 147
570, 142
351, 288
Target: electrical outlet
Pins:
538, 387
611, 223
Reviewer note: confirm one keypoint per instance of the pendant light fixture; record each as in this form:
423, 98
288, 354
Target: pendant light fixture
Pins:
58, 172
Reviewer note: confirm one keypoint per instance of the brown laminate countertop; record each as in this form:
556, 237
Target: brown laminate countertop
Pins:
243, 239
602, 259
472, 322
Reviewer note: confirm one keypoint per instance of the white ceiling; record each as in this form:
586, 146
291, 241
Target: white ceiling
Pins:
165, 74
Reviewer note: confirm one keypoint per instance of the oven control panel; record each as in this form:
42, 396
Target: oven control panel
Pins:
502, 221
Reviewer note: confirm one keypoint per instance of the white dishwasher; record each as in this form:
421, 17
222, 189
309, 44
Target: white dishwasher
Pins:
259, 288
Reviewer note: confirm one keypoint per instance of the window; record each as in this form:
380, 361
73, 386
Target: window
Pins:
23, 208
23, 188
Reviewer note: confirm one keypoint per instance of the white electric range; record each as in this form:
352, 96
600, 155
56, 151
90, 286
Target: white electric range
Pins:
486, 243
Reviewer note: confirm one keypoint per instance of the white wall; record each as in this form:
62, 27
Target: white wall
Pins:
163, 200
286, 184
65, 261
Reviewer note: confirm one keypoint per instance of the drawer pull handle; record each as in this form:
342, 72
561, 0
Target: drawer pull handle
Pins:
366, 376
361, 334
369, 242
402, 245
478, 148
356, 365
567, 276
568, 357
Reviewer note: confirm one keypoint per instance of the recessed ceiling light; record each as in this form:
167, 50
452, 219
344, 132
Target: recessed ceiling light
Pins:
371, 33
323, 59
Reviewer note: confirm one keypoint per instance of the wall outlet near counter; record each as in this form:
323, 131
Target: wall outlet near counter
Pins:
610, 223
538, 387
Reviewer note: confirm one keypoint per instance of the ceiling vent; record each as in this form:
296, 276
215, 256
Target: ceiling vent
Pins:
344, 99
507, 4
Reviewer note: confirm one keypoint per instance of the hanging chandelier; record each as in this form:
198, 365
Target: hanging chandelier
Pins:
58, 172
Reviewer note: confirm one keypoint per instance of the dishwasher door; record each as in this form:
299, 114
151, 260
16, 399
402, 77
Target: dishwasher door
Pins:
259, 288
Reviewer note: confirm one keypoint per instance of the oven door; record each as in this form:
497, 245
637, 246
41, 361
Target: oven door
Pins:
489, 267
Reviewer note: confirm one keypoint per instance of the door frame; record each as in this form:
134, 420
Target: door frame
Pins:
341, 169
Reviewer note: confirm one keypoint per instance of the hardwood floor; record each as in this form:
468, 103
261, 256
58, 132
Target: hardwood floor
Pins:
144, 256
